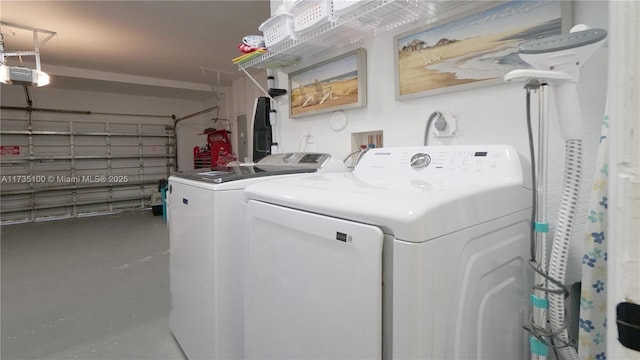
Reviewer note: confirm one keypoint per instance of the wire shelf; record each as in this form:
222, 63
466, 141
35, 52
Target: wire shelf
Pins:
354, 26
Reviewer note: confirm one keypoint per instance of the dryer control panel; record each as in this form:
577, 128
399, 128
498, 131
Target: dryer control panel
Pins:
461, 162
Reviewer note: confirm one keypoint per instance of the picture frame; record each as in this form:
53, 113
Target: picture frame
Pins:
473, 49
338, 83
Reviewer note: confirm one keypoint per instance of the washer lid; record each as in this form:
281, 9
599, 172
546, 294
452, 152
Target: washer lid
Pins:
240, 172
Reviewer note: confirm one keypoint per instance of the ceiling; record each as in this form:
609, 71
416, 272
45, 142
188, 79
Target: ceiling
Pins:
150, 47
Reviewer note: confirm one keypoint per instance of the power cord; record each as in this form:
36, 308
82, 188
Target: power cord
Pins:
436, 115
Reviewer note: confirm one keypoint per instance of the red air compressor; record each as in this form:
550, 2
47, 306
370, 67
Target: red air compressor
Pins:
217, 151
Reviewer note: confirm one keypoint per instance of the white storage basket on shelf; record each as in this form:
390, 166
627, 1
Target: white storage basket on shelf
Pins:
277, 29
311, 13
344, 6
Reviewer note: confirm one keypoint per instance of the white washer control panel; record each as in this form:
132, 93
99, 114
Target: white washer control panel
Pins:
314, 160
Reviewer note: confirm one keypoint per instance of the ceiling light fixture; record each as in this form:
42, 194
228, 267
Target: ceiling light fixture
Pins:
20, 75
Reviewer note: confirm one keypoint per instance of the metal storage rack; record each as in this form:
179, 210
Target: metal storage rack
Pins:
354, 26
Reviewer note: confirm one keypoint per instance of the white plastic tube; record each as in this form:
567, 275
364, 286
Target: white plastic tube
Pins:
561, 240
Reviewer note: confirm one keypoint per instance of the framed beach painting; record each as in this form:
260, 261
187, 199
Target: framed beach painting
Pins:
474, 49
336, 84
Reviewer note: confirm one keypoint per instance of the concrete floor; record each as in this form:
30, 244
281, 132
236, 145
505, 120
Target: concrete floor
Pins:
89, 288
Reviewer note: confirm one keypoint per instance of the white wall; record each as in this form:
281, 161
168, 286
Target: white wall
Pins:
487, 115
245, 92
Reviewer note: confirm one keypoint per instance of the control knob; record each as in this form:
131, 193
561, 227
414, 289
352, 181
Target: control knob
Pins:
420, 160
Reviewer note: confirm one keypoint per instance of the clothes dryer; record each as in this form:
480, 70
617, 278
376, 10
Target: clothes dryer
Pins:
419, 253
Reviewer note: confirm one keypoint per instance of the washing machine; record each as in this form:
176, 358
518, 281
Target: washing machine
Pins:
207, 249
419, 253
